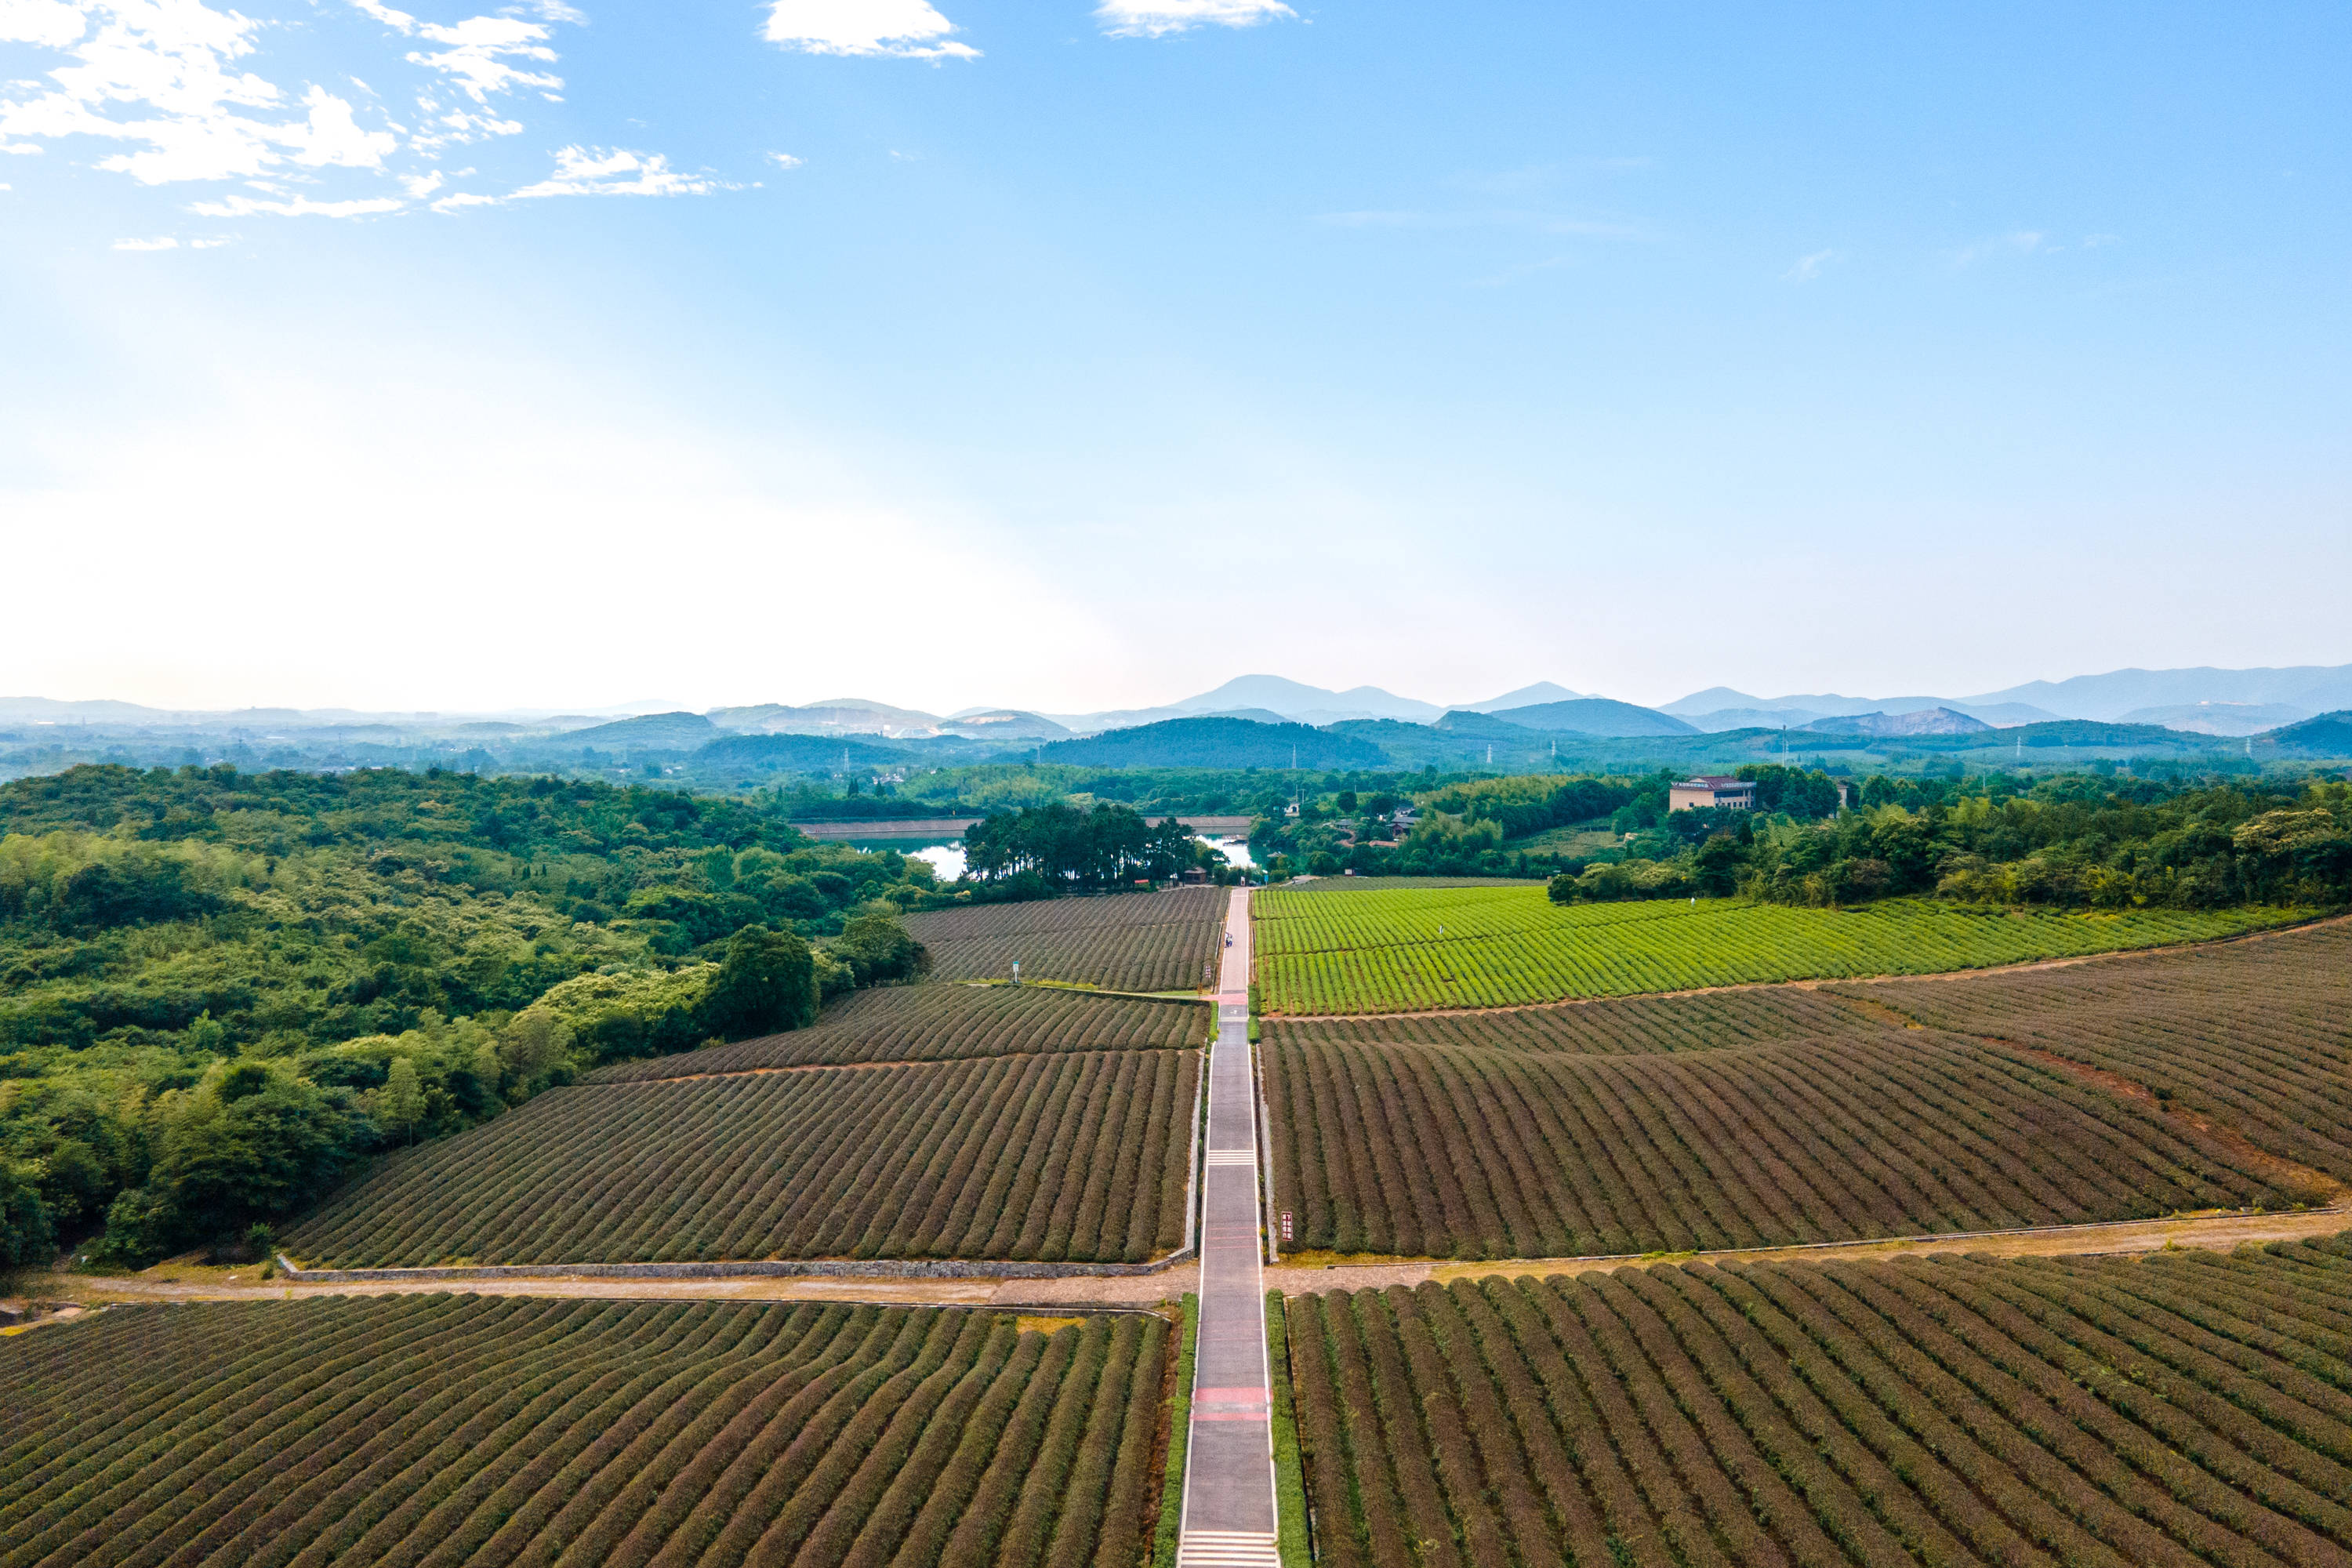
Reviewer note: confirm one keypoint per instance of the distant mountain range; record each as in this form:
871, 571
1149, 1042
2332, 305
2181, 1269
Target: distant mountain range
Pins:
1917, 722
2206, 701
2121, 695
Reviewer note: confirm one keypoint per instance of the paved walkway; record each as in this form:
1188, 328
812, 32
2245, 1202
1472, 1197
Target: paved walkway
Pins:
1229, 1463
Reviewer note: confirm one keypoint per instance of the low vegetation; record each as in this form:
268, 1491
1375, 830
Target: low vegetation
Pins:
937, 1023
1446, 1151
1077, 1156
2126, 1088
476, 1430
2177, 1409
2257, 1038
1484, 947
1138, 941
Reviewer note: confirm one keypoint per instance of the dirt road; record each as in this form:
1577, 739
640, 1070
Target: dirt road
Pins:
2215, 1232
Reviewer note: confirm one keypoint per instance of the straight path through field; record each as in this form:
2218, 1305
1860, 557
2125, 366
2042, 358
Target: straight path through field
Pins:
1229, 1516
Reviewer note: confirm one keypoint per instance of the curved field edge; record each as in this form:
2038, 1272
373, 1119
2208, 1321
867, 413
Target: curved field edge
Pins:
1417, 951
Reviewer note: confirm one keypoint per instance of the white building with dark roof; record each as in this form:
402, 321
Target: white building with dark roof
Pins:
1713, 789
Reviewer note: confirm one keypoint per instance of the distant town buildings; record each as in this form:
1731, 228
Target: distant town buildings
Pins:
1713, 789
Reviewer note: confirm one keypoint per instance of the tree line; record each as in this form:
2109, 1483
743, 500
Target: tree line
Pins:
2073, 841
1037, 851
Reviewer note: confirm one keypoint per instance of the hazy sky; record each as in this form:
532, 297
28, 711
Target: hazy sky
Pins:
1069, 358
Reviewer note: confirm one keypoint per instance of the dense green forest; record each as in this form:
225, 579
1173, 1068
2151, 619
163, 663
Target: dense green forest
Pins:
2088, 840
219, 990
2069, 842
1041, 850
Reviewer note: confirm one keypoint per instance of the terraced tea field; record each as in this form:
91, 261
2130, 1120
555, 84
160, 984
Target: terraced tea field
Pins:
1615, 1025
939, 1022
448, 1430
1127, 942
1397, 951
1077, 1156
1485, 1152
1389, 884
1781, 1115
2179, 1409
2256, 1037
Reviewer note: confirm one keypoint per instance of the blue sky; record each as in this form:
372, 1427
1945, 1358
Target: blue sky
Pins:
972, 352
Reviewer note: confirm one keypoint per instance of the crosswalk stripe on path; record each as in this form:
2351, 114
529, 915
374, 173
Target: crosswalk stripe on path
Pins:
1227, 1549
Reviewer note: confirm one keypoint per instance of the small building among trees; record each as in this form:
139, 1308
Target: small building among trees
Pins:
1712, 789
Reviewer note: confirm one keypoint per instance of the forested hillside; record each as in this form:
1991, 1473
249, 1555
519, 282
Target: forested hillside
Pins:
2073, 842
2081, 840
218, 990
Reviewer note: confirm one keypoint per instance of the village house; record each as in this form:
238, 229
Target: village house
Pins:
1712, 789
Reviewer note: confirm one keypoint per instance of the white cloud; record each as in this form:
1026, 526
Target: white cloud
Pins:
1158, 18
331, 136
909, 29
168, 79
785, 159
1807, 268
159, 72
50, 23
166, 243
596, 172
299, 206
617, 171
457, 127
478, 52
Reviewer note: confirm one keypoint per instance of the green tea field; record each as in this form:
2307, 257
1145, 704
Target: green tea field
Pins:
2255, 1036
1060, 1156
450, 1430
939, 1021
1131, 942
2133, 1087
2181, 1409
1408, 950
